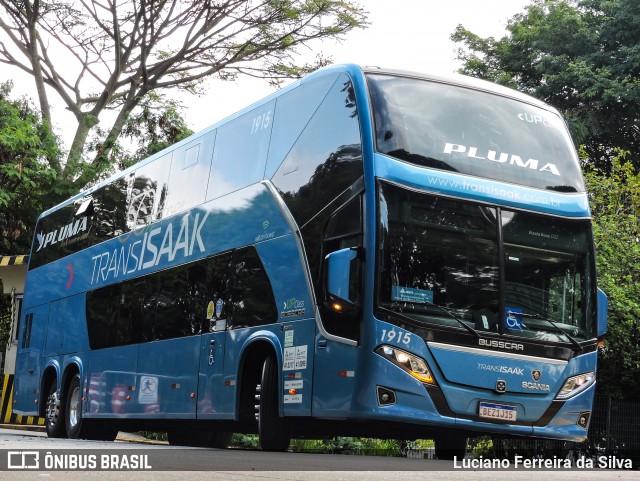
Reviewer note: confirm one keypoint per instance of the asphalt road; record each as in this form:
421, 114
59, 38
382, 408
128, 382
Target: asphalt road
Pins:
58, 459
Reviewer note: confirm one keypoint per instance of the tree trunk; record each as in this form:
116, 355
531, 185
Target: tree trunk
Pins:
74, 172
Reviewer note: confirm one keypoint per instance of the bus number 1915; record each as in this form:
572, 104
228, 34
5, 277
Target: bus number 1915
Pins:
399, 336
261, 122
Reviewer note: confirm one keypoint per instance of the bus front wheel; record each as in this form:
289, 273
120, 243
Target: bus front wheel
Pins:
54, 415
272, 430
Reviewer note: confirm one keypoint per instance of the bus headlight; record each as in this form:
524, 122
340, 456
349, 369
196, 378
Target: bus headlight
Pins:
414, 365
576, 384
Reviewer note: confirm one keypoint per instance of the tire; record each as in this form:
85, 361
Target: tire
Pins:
450, 447
73, 409
76, 426
272, 430
54, 413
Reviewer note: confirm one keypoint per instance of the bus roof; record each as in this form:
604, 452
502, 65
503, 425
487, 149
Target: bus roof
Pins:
353, 70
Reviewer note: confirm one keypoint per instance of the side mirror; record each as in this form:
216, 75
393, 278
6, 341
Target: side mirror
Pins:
343, 279
603, 305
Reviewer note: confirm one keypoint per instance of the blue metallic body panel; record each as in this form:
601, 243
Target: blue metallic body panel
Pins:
111, 377
67, 331
482, 190
170, 367
212, 392
336, 378
478, 369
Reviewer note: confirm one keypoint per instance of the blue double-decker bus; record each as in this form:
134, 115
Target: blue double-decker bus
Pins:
365, 252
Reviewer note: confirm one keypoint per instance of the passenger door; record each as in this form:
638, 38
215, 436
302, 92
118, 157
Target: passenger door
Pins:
216, 298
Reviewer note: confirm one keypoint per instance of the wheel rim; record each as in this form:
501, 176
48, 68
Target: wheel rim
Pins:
53, 408
74, 408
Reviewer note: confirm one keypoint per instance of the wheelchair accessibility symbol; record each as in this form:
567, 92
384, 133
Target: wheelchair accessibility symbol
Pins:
513, 318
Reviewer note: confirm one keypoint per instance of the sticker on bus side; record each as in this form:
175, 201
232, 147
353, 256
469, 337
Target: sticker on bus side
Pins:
293, 384
294, 358
292, 398
288, 338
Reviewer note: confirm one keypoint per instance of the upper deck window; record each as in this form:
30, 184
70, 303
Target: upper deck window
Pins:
473, 132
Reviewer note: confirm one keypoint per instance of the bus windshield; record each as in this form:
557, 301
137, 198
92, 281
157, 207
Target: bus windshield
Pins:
477, 133
445, 262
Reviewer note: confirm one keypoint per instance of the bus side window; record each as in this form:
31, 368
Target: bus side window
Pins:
110, 206
252, 296
240, 152
196, 299
323, 170
172, 313
190, 169
138, 306
103, 308
149, 192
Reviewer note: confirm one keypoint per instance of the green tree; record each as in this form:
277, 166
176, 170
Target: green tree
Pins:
583, 57
615, 205
111, 54
28, 171
155, 124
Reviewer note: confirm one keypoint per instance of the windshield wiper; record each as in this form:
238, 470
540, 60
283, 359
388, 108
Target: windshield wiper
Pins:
443, 309
575, 343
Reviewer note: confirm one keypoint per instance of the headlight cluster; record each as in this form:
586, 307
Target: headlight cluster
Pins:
414, 365
576, 384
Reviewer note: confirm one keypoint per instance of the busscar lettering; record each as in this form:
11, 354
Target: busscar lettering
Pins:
501, 344
157, 245
503, 158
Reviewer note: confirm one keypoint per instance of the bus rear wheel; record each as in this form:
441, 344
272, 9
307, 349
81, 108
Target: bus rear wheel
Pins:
76, 426
54, 415
272, 430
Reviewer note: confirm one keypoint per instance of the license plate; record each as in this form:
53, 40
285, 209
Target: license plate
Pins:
500, 412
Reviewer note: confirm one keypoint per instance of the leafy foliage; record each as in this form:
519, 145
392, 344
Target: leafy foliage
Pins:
615, 204
583, 57
28, 156
155, 125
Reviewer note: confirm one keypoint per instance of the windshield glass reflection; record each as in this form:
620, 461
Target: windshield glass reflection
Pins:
439, 264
